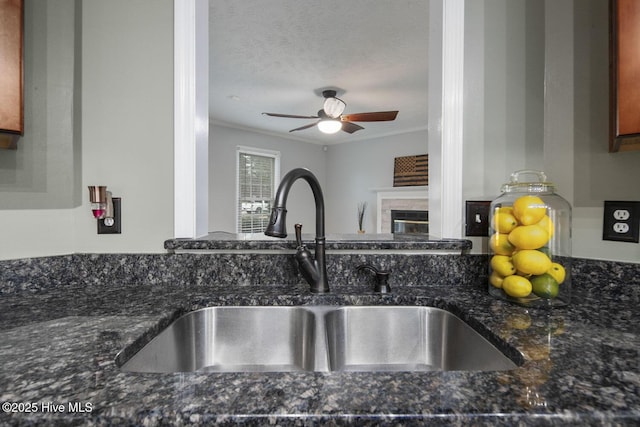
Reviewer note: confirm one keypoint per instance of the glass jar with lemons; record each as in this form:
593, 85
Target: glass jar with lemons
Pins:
530, 242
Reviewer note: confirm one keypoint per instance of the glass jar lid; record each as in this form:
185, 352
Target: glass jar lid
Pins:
518, 182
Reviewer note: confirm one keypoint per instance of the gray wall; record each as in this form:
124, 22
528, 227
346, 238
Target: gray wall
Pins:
504, 92
127, 132
354, 169
222, 175
127, 121
347, 172
536, 96
44, 173
598, 175
123, 100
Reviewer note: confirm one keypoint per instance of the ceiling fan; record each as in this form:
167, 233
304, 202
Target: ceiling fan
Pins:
331, 119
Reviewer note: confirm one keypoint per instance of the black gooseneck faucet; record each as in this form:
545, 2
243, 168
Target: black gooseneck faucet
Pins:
313, 270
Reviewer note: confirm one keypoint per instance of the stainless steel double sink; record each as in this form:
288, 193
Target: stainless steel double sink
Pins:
317, 338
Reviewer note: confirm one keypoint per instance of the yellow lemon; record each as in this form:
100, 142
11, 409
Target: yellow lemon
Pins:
505, 209
529, 261
547, 224
529, 209
558, 272
496, 280
503, 220
516, 286
545, 250
499, 244
545, 286
502, 265
528, 237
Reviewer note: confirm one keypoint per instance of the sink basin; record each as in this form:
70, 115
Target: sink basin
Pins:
407, 339
228, 339
317, 338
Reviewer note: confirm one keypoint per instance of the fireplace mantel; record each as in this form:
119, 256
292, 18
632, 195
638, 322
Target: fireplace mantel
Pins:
413, 192
415, 197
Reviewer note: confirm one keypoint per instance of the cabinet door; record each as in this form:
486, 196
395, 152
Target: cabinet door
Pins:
625, 75
11, 91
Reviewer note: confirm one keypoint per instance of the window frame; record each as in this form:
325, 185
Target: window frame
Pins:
254, 151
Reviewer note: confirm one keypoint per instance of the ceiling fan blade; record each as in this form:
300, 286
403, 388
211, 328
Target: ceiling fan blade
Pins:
350, 127
290, 116
305, 127
378, 116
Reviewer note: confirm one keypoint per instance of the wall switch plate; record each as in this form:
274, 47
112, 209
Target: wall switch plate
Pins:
621, 221
477, 218
116, 228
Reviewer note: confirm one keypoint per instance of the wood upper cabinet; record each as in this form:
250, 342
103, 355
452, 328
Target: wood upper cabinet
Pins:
11, 72
624, 40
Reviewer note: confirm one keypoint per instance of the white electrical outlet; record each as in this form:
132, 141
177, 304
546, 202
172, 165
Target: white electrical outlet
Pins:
621, 227
621, 214
621, 221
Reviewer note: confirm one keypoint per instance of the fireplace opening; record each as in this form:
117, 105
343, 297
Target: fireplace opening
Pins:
409, 221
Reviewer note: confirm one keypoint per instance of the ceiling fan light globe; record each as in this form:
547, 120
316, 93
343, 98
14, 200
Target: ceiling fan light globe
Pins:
333, 107
329, 126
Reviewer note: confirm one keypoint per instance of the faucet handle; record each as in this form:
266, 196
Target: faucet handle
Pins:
307, 265
382, 278
299, 234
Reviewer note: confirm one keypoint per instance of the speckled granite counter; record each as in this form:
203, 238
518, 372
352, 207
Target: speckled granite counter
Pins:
63, 319
343, 242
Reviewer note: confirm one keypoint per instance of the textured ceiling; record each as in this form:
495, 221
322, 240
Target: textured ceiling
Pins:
278, 55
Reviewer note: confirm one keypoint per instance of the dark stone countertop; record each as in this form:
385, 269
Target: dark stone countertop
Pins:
232, 241
57, 347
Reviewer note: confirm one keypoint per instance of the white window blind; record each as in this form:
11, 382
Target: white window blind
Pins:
257, 174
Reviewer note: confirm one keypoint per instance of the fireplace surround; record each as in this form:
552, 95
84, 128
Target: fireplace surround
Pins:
399, 198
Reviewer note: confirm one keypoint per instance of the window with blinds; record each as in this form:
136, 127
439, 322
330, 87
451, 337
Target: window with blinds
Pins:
257, 174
